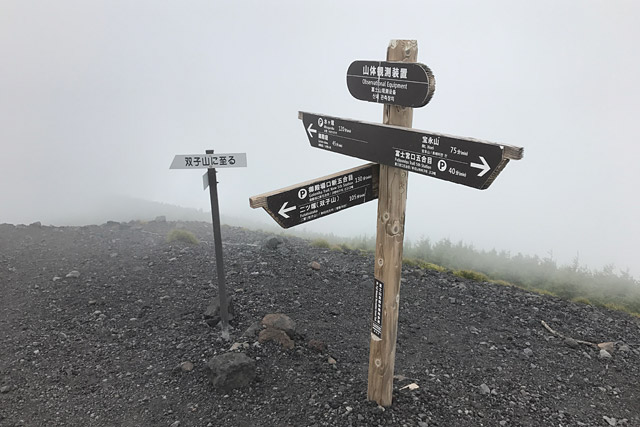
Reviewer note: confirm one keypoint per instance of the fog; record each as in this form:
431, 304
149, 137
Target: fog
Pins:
97, 97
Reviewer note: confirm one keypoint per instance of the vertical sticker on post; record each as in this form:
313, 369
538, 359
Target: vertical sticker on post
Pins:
378, 297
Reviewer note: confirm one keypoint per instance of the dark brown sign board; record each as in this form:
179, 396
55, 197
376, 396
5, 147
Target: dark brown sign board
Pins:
320, 197
397, 83
465, 161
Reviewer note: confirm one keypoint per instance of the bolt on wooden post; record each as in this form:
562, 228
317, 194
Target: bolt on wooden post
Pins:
392, 200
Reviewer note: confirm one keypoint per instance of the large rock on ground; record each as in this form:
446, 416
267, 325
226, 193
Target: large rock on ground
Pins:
281, 322
276, 335
231, 370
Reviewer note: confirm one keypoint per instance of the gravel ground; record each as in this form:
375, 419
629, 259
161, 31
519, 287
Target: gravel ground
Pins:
125, 343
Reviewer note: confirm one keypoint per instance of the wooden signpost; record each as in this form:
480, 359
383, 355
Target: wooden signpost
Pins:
211, 162
400, 84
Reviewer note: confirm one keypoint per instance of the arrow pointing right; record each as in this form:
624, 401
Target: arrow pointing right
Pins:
311, 130
484, 166
284, 209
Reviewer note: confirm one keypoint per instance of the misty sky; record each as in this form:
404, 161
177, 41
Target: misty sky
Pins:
96, 98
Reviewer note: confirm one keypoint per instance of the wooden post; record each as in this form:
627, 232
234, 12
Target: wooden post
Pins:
392, 198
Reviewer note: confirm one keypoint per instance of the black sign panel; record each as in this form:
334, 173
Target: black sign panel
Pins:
378, 298
398, 83
465, 161
314, 199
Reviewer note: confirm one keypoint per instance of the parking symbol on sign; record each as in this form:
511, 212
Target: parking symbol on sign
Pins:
442, 165
302, 193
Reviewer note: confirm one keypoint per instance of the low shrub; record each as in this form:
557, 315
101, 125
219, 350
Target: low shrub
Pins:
184, 236
320, 243
471, 275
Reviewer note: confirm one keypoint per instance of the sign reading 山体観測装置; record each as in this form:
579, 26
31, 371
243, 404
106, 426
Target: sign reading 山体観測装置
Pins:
399, 83
465, 161
209, 161
320, 197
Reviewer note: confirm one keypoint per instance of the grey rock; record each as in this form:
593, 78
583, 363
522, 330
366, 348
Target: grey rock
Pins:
73, 274
610, 420
315, 265
272, 243
528, 352
161, 218
571, 343
484, 389
5, 389
604, 354
231, 370
212, 313
252, 330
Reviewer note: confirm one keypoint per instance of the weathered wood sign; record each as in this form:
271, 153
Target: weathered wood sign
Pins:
400, 84
317, 198
465, 161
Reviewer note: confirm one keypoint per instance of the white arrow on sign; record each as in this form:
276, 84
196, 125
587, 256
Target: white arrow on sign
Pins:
311, 130
484, 166
284, 209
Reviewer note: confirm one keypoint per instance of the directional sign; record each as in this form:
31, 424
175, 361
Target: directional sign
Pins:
208, 161
465, 161
314, 199
398, 83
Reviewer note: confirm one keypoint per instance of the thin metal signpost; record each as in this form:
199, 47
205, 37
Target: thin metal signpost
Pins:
211, 162
400, 83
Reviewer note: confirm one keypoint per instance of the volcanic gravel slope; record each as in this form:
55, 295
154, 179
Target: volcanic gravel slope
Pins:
106, 348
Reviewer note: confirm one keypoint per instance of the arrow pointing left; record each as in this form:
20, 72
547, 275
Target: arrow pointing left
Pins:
484, 167
311, 130
284, 209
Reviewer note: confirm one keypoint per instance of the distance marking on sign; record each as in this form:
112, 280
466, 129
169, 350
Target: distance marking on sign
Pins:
320, 197
465, 161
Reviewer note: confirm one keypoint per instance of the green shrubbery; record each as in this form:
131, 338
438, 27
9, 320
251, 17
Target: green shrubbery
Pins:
184, 236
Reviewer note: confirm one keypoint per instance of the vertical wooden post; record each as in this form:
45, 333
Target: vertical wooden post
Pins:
392, 200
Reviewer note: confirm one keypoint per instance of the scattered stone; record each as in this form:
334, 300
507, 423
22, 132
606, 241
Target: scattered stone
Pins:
73, 274
604, 354
186, 366
36, 224
161, 218
272, 243
5, 389
318, 346
624, 348
609, 346
231, 370
315, 265
93, 302
212, 313
252, 330
610, 420
276, 335
484, 389
56, 278
235, 346
175, 424
571, 343
331, 361
280, 321
528, 352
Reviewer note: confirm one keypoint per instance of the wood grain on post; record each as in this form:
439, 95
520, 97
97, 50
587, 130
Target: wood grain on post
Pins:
392, 198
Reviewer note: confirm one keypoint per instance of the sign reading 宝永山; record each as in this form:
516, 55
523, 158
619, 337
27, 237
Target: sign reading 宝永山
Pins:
207, 161
465, 161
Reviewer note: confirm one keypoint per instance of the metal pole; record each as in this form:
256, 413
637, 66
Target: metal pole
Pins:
217, 236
